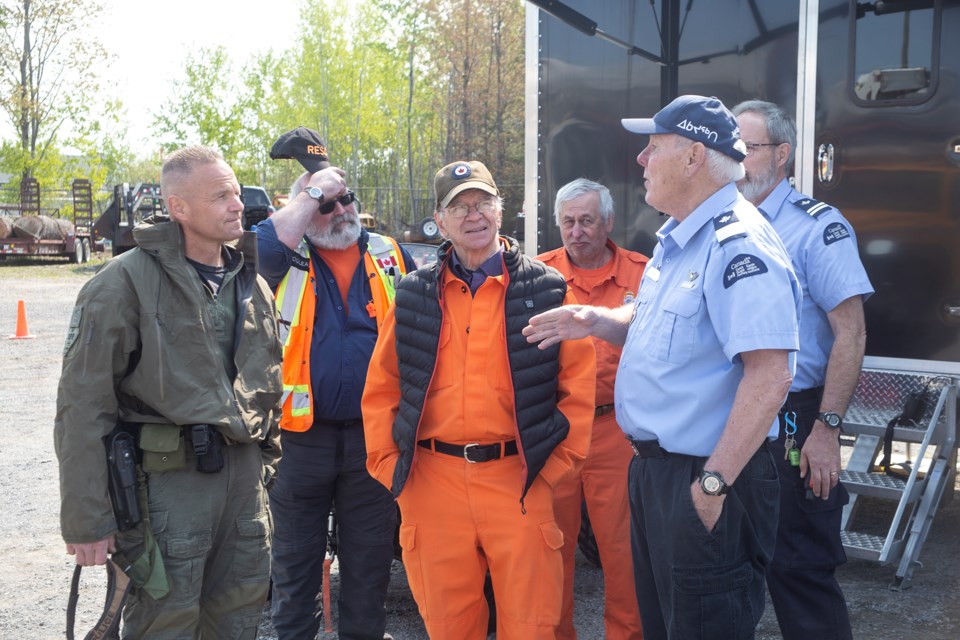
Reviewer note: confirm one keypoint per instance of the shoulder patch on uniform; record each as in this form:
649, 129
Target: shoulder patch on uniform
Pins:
728, 227
742, 266
73, 330
813, 207
835, 232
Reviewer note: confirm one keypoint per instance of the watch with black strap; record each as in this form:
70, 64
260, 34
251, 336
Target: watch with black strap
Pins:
830, 418
713, 484
315, 192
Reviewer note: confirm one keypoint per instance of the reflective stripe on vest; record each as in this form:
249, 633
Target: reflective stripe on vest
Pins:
297, 303
297, 309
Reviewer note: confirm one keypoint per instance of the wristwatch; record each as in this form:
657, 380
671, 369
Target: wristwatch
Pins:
831, 419
316, 193
712, 483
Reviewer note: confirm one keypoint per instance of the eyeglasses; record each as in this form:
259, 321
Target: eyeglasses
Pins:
486, 207
345, 200
754, 146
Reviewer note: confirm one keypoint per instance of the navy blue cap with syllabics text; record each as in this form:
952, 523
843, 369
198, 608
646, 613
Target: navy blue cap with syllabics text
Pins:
698, 118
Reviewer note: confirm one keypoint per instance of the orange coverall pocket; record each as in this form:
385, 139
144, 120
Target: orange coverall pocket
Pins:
411, 563
551, 572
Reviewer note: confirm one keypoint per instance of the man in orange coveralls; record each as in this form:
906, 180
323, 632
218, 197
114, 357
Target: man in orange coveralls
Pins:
600, 274
471, 428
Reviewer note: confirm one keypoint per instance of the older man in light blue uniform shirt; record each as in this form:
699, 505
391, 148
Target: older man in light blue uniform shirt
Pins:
707, 299
823, 247
706, 364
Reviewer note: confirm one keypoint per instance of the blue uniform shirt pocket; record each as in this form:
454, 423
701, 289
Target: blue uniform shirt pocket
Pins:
675, 335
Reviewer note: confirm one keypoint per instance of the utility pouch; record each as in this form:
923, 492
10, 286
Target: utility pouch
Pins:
122, 467
208, 447
163, 447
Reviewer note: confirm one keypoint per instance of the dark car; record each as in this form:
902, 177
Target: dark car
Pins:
422, 254
256, 205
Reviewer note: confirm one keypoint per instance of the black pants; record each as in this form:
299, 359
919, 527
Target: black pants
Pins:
323, 466
693, 583
803, 588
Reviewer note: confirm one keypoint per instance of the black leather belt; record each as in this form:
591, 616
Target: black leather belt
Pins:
472, 452
603, 410
807, 395
647, 448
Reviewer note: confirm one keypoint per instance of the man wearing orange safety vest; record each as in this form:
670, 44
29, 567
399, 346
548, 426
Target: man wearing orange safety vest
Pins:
601, 274
334, 283
472, 428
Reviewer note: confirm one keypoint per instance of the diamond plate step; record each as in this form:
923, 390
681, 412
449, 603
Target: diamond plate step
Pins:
877, 485
862, 545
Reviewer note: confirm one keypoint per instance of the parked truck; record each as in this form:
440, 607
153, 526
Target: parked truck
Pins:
875, 89
128, 206
33, 234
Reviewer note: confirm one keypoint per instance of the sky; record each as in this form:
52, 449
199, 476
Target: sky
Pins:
150, 41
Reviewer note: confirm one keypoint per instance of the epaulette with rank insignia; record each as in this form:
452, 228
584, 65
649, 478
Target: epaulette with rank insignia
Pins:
728, 227
813, 207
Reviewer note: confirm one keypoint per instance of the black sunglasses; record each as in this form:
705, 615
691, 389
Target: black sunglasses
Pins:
346, 199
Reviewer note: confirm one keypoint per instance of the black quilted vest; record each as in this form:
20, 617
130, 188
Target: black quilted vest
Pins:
533, 288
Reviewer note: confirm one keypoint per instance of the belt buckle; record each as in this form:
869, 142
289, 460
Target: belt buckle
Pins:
466, 451
636, 450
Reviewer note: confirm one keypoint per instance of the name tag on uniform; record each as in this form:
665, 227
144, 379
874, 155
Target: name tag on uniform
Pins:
652, 272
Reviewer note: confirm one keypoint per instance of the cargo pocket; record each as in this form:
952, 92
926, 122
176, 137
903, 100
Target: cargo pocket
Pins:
713, 602
185, 557
411, 564
252, 560
550, 593
163, 447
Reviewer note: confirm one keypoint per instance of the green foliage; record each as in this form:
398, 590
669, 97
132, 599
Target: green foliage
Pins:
396, 88
48, 74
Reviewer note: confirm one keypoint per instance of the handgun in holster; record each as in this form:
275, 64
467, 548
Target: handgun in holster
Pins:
208, 447
122, 467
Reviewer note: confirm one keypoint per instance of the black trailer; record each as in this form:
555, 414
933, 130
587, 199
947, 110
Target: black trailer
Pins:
875, 89
128, 206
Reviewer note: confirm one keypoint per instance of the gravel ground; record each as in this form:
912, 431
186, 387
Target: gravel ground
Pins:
36, 571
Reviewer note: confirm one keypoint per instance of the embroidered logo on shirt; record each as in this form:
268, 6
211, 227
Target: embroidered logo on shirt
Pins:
743, 266
628, 297
73, 331
835, 232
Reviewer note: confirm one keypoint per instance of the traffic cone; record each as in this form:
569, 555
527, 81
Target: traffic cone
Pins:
22, 331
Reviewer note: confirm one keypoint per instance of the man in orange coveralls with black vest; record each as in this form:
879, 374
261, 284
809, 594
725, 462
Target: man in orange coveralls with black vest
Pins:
600, 274
471, 428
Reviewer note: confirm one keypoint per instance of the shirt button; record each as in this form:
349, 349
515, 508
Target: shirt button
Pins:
339, 308
330, 280
463, 289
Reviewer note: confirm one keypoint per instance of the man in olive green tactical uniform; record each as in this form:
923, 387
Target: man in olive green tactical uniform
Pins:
176, 342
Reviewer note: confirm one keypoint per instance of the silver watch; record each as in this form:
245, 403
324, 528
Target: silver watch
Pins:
316, 193
713, 484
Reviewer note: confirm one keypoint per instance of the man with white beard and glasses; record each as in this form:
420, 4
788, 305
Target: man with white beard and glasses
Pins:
334, 282
823, 248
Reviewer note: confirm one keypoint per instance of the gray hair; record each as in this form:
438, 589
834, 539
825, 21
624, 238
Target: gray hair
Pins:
299, 184
722, 168
780, 126
581, 186
181, 164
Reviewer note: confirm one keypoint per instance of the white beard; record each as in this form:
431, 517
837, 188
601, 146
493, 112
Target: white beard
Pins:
342, 232
757, 184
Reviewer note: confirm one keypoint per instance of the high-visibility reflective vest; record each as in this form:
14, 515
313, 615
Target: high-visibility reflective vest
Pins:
297, 303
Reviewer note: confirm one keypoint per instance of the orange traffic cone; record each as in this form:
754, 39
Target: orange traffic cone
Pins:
22, 331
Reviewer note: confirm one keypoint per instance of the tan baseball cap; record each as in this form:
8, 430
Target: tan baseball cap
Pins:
459, 176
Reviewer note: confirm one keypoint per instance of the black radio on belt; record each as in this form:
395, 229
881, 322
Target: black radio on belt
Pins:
208, 447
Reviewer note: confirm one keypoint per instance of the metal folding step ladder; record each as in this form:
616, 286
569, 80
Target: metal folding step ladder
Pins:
880, 396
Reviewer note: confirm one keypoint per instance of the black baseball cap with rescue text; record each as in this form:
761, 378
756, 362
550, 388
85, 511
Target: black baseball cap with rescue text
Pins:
303, 145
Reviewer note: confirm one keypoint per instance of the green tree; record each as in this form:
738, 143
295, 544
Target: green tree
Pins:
204, 107
48, 71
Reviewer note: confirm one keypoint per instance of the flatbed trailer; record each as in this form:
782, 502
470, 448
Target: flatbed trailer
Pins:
76, 244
